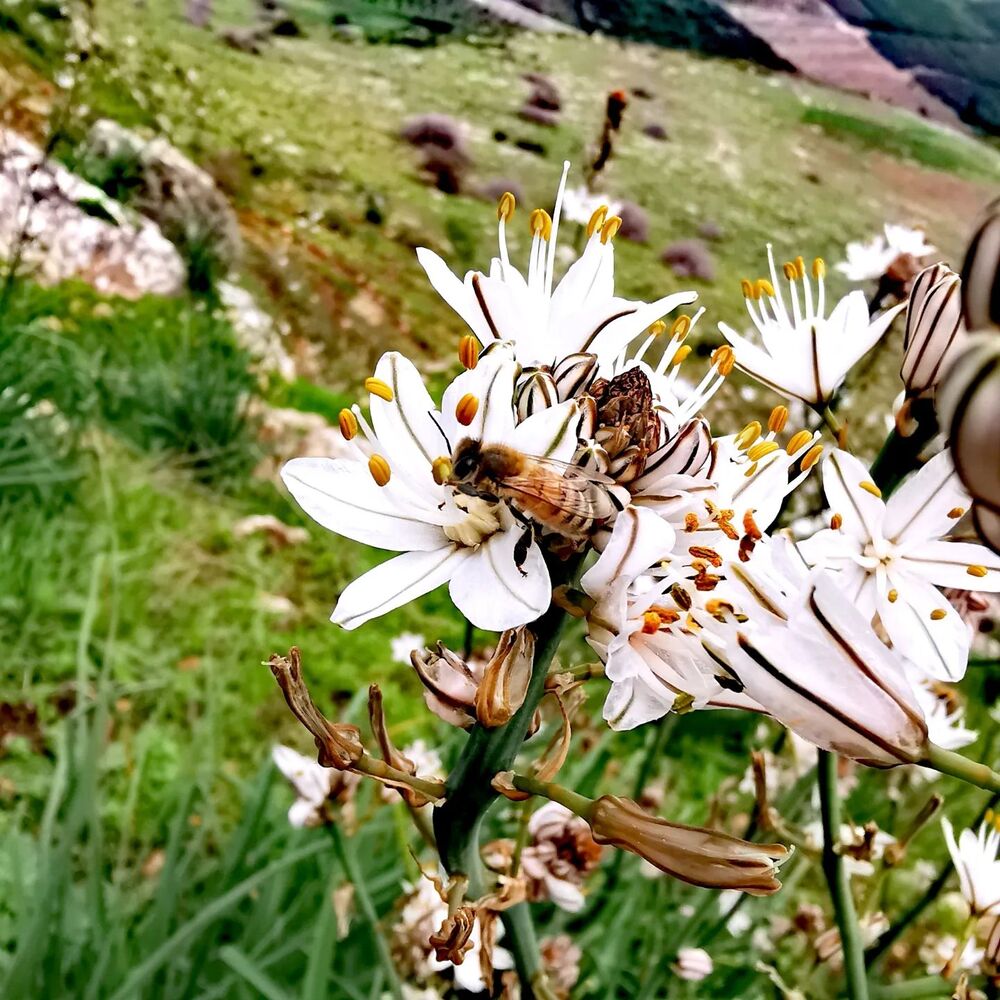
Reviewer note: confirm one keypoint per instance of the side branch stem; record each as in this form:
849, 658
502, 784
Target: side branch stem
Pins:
838, 880
954, 764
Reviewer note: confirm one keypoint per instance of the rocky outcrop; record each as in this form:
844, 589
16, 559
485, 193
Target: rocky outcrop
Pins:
55, 226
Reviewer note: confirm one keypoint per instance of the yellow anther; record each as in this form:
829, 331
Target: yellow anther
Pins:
596, 222
938, 614
893, 595
979, 571
348, 424
819, 268
749, 289
379, 388
680, 354
763, 287
748, 435
791, 273
681, 326
441, 470
379, 468
811, 457
751, 472
506, 206
540, 223
869, 487
778, 418
610, 228
723, 359
800, 267
651, 623
468, 351
762, 448
837, 522
466, 410
956, 512
657, 327
798, 441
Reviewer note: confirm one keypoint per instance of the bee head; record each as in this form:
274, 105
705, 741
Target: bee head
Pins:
466, 460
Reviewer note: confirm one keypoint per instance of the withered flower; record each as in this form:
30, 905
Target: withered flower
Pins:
561, 958
562, 853
505, 680
393, 757
451, 683
454, 937
692, 854
338, 743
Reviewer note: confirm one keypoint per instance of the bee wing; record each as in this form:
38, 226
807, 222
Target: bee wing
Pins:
566, 470
566, 487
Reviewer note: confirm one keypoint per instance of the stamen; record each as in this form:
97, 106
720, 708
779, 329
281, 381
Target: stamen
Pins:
956, 512
681, 326
715, 606
763, 287
837, 522
466, 410
800, 268
540, 223
379, 468
869, 487
506, 206
751, 472
681, 597
651, 623
938, 614
777, 420
723, 359
750, 526
610, 228
893, 595
811, 457
819, 268
790, 272
680, 354
762, 448
468, 351
749, 289
690, 522
798, 441
348, 424
748, 435
597, 220
657, 327
441, 470
703, 552
979, 571
379, 388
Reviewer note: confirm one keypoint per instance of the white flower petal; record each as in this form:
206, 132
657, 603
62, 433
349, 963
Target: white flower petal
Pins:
919, 509
458, 294
632, 702
396, 582
862, 512
639, 540
492, 383
550, 433
946, 564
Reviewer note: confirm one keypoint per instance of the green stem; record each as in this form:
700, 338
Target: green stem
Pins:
367, 907
838, 880
900, 455
573, 801
929, 986
832, 421
954, 764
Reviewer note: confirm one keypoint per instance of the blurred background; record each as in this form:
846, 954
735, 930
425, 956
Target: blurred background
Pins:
208, 217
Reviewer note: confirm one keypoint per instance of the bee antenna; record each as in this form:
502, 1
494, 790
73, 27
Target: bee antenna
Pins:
437, 424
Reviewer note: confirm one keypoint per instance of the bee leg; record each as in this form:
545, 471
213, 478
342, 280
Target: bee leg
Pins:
521, 549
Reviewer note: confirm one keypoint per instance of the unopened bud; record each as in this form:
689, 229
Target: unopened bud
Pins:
980, 281
689, 853
339, 744
505, 679
574, 374
537, 392
935, 332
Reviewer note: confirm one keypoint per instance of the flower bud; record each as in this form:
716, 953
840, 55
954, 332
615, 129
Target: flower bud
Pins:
574, 374
689, 853
969, 407
451, 684
693, 964
505, 679
536, 393
339, 744
934, 328
980, 284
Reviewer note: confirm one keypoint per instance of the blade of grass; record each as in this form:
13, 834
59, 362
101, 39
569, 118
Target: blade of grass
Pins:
247, 969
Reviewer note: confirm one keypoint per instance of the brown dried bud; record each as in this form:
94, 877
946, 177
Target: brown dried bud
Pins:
452, 940
392, 756
689, 853
505, 680
451, 684
339, 744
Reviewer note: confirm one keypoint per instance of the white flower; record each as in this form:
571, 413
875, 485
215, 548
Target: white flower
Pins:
400, 646
803, 353
945, 725
561, 854
580, 204
975, 859
693, 964
386, 496
890, 555
545, 321
852, 840
869, 260
315, 786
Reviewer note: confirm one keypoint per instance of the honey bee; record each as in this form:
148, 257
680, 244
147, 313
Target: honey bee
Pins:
568, 500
